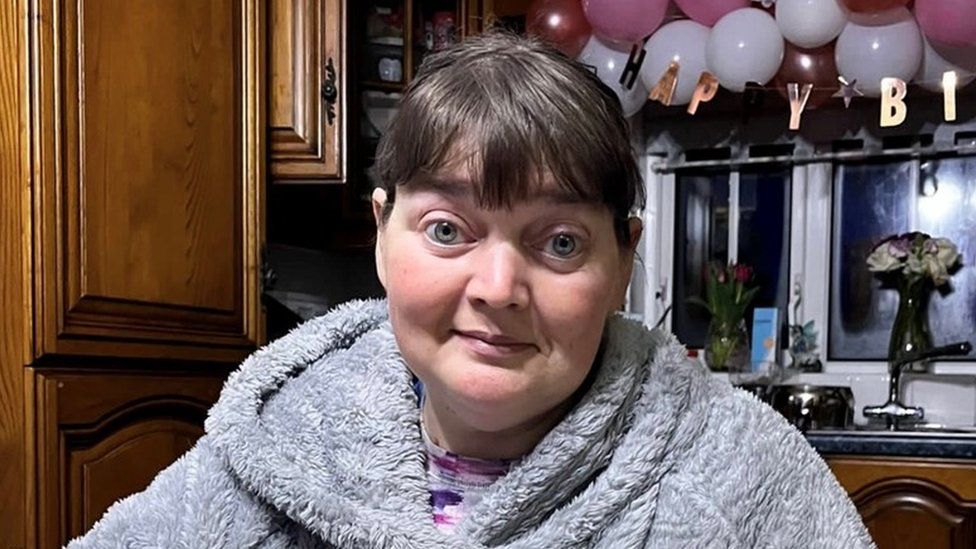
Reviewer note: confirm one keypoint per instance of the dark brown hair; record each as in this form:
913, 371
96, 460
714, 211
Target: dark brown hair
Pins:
512, 110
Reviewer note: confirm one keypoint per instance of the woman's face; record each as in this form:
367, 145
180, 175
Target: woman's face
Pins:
499, 312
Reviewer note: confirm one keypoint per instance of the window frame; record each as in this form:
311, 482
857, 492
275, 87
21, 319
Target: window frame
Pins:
811, 199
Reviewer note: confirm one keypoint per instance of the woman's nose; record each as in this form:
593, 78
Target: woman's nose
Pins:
499, 278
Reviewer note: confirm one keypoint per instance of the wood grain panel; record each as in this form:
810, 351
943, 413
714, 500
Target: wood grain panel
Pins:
106, 434
151, 168
121, 464
305, 36
15, 430
913, 502
909, 513
856, 473
158, 169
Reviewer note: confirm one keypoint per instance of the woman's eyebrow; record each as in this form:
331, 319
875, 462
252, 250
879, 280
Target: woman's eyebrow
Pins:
461, 188
558, 195
453, 187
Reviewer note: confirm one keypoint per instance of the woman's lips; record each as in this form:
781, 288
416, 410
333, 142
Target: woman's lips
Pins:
492, 345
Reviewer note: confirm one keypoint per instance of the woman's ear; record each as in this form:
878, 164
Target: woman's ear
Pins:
635, 228
379, 203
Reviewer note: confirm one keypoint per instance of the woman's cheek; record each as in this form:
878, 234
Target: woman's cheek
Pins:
577, 300
408, 269
419, 283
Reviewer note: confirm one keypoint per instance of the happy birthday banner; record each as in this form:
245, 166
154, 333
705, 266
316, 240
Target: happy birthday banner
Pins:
893, 93
811, 51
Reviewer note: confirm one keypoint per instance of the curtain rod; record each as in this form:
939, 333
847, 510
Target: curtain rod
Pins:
912, 152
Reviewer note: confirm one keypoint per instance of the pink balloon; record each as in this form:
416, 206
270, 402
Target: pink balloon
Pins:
708, 12
947, 21
621, 23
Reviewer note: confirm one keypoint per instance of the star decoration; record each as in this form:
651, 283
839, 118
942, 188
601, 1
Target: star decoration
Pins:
848, 91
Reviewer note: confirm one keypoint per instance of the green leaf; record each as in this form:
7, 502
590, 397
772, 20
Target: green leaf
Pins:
749, 295
695, 300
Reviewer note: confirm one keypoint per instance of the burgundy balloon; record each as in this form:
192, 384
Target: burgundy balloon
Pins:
559, 22
809, 66
873, 6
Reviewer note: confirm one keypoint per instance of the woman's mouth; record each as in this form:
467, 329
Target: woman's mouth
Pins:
492, 345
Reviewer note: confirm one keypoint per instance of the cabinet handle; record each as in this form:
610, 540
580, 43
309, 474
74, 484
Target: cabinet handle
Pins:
268, 275
329, 91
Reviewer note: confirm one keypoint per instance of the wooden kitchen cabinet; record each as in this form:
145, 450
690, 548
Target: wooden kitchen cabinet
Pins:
912, 503
94, 451
307, 74
147, 136
131, 227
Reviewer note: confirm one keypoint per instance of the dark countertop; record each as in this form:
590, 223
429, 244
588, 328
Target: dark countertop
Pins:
912, 444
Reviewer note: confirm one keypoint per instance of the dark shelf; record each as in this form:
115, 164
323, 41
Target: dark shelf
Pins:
380, 85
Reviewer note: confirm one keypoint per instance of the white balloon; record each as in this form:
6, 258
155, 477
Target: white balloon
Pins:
941, 58
744, 46
684, 43
869, 53
810, 23
610, 64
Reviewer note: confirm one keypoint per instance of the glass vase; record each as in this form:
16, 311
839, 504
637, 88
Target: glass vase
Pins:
727, 347
910, 331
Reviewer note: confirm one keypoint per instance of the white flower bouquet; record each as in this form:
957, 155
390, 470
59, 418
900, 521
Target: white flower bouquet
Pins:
915, 255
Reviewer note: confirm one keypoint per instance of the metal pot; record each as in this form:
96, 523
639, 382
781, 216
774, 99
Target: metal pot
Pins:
814, 406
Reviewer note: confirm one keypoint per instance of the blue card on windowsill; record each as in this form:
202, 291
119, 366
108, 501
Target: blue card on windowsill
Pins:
765, 338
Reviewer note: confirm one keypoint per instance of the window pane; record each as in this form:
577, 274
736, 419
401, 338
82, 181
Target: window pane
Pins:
764, 234
874, 200
701, 235
702, 232
950, 212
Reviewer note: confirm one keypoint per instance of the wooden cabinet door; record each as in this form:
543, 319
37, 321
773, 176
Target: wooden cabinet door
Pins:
148, 160
913, 503
104, 435
307, 101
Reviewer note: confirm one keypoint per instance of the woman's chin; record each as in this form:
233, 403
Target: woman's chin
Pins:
488, 399
501, 415
490, 408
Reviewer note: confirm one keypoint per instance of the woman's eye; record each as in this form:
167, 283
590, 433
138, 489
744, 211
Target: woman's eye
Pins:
443, 232
563, 245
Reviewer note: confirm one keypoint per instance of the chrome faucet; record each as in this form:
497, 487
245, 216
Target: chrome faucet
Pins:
894, 411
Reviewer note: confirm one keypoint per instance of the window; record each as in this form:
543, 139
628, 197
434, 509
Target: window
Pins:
729, 215
872, 200
806, 218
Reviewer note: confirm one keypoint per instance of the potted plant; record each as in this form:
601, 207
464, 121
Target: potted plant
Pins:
727, 296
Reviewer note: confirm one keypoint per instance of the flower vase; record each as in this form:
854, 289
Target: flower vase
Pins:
727, 347
910, 331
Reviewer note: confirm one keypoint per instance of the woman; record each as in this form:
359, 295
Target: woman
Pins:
494, 399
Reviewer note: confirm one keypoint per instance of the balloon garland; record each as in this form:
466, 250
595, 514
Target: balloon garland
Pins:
811, 51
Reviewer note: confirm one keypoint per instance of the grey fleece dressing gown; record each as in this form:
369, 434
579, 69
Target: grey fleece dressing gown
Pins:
315, 442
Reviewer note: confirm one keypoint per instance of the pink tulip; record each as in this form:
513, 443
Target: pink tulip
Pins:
743, 273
